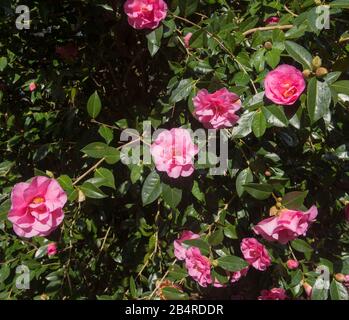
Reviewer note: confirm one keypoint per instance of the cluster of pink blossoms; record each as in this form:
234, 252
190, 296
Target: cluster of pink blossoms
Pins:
198, 265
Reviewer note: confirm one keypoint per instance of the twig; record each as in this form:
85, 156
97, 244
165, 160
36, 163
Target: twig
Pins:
284, 27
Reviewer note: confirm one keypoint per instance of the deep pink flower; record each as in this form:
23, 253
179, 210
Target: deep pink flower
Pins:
68, 52
292, 264
179, 249
36, 208
187, 39
346, 211
255, 253
272, 20
51, 249
145, 14
236, 276
284, 85
198, 266
173, 152
273, 294
32, 86
216, 110
289, 225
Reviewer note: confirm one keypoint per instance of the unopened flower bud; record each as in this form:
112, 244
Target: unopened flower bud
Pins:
278, 205
307, 73
321, 72
340, 277
317, 62
268, 45
267, 173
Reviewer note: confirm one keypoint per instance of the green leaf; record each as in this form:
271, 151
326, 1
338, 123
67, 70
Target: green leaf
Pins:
198, 243
319, 99
133, 288
100, 150
244, 177
300, 54
41, 252
338, 291
4, 209
3, 63
4, 272
171, 293
232, 263
259, 191
301, 246
94, 105
103, 177
342, 4
216, 237
154, 40
230, 232
197, 193
341, 86
259, 124
151, 189
244, 126
188, 7
106, 133
294, 200
272, 57
172, 196
275, 115
91, 191
182, 91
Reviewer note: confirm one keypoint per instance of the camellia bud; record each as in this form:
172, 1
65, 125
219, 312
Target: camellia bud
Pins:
307, 73
321, 72
267, 173
268, 45
317, 62
340, 277
308, 289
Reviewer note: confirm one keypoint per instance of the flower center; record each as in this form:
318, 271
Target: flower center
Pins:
38, 200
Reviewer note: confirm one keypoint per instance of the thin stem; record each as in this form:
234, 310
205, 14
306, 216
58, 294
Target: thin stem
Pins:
284, 27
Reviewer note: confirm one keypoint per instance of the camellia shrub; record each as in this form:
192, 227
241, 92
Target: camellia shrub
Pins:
183, 149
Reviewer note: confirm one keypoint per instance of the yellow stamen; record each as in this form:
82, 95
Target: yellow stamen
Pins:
38, 200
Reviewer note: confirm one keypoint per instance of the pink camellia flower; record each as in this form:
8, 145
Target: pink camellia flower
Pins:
198, 266
236, 276
273, 294
179, 249
36, 208
187, 39
173, 152
292, 264
346, 211
216, 110
51, 249
32, 86
145, 14
287, 226
272, 20
284, 85
255, 253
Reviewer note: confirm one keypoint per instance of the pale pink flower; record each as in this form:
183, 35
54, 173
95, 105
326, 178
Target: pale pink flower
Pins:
32, 86
272, 20
292, 264
255, 253
236, 276
287, 226
308, 289
51, 249
198, 266
216, 110
173, 152
179, 249
187, 39
346, 211
145, 14
273, 294
36, 207
284, 85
